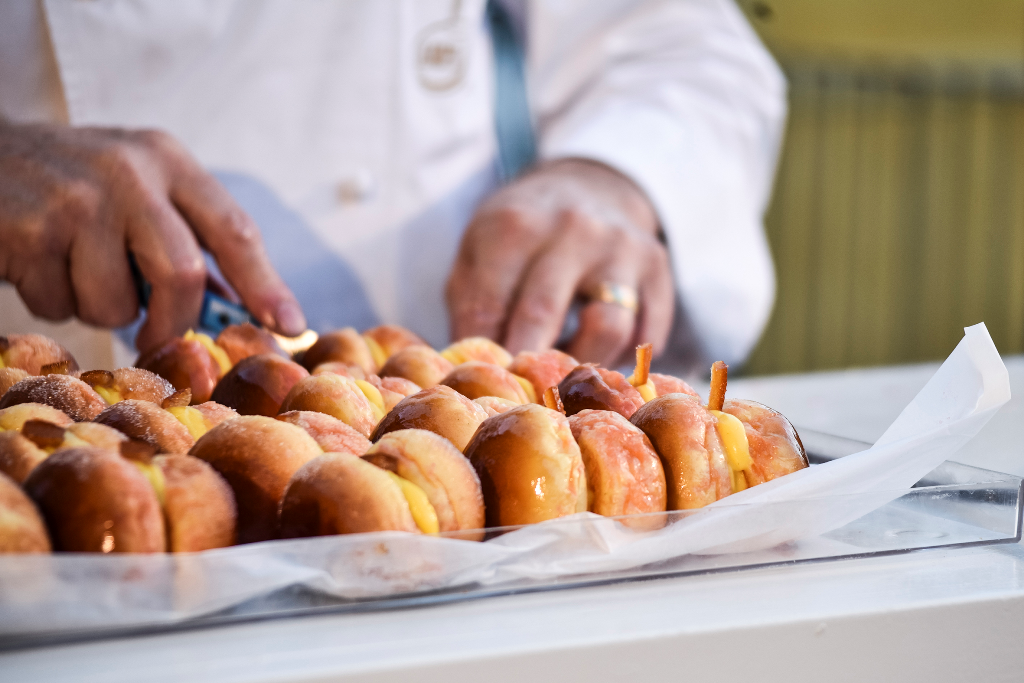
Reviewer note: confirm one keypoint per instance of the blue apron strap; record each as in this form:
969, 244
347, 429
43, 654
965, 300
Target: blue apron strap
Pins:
512, 123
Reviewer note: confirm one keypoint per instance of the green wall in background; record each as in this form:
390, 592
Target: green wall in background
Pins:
898, 213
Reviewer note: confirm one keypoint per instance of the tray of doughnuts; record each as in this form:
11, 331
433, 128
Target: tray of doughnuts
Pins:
226, 478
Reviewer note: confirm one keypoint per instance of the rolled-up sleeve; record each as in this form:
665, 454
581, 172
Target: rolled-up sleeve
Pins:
681, 97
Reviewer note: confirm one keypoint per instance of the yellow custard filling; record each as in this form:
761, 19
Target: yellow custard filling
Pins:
380, 357
423, 512
155, 477
527, 385
373, 396
736, 447
647, 391
193, 420
109, 394
219, 354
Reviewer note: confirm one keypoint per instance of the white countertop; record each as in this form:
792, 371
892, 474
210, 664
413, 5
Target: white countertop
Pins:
953, 614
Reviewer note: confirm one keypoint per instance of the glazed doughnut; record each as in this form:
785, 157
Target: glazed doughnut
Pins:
258, 384
684, 435
529, 465
775, 447
441, 410
588, 387
474, 379
667, 384
421, 365
345, 345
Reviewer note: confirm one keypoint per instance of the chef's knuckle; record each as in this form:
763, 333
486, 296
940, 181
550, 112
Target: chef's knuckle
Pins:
189, 274
158, 144
79, 201
577, 226
513, 224
237, 229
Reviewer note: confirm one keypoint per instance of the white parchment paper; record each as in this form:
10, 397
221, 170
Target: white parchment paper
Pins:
76, 591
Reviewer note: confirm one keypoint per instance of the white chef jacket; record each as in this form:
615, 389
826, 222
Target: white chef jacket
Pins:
362, 164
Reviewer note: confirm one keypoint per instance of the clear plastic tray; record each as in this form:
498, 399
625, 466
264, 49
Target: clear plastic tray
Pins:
953, 506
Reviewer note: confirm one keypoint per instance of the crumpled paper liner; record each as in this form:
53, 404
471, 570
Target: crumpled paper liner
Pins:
79, 591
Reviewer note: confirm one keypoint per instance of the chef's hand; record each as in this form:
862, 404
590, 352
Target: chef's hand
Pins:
554, 234
75, 201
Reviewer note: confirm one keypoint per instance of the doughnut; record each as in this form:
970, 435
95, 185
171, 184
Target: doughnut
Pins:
387, 340
477, 348
529, 465
338, 493
474, 379
95, 500
330, 433
9, 377
242, 341
31, 352
624, 473
445, 476
258, 384
421, 365
684, 435
134, 383
149, 423
70, 395
345, 345
588, 387
257, 456
192, 362
441, 410
351, 401
543, 369
775, 447
199, 507
21, 451
21, 527
493, 405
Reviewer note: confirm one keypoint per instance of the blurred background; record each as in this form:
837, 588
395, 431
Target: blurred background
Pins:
898, 213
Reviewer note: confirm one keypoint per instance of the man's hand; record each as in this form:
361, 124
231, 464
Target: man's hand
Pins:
74, 202
556, 233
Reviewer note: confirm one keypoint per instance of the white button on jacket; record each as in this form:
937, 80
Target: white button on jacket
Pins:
360, 133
